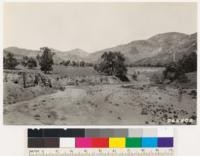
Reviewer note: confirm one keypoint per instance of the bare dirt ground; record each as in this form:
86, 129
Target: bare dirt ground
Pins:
116, 104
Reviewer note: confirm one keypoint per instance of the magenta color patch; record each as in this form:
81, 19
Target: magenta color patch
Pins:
83, 142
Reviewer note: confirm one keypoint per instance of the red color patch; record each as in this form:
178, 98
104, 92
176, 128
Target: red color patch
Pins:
100, 142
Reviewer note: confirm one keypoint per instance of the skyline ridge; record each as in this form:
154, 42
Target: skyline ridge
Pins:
78, 48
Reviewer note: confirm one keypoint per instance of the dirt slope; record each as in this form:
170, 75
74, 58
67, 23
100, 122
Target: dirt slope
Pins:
104, 104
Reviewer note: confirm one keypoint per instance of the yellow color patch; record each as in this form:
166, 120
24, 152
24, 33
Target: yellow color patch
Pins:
117, 142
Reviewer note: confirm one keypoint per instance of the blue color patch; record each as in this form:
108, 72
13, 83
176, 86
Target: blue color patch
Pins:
149, 142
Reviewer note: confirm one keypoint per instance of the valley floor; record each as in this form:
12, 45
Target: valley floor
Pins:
114, 104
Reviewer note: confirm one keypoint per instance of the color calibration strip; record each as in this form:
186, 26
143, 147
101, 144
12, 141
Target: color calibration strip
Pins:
101, 138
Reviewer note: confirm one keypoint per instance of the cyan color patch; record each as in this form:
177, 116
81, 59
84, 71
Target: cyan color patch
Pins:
149, 142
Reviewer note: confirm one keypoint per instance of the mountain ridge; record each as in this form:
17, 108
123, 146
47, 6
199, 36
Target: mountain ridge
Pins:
153, 50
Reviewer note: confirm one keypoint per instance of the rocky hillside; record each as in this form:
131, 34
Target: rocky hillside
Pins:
157, 49
171, 52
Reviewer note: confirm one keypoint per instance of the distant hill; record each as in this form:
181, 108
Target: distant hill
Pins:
76, 54
183, 46
20, 52
153, 50
158, 49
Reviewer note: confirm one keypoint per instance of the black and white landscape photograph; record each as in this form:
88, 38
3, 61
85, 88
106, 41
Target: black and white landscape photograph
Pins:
100, 63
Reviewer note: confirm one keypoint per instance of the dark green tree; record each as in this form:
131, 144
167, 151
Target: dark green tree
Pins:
66, 63
89, 64
24, 61
189, 63
10, 62
82, 64
46, 60
31, 63
113, 63
74, 63
38, 57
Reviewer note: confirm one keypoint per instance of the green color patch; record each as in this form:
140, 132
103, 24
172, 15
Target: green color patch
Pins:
133, 142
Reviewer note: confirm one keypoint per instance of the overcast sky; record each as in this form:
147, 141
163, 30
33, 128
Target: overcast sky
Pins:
92, 26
